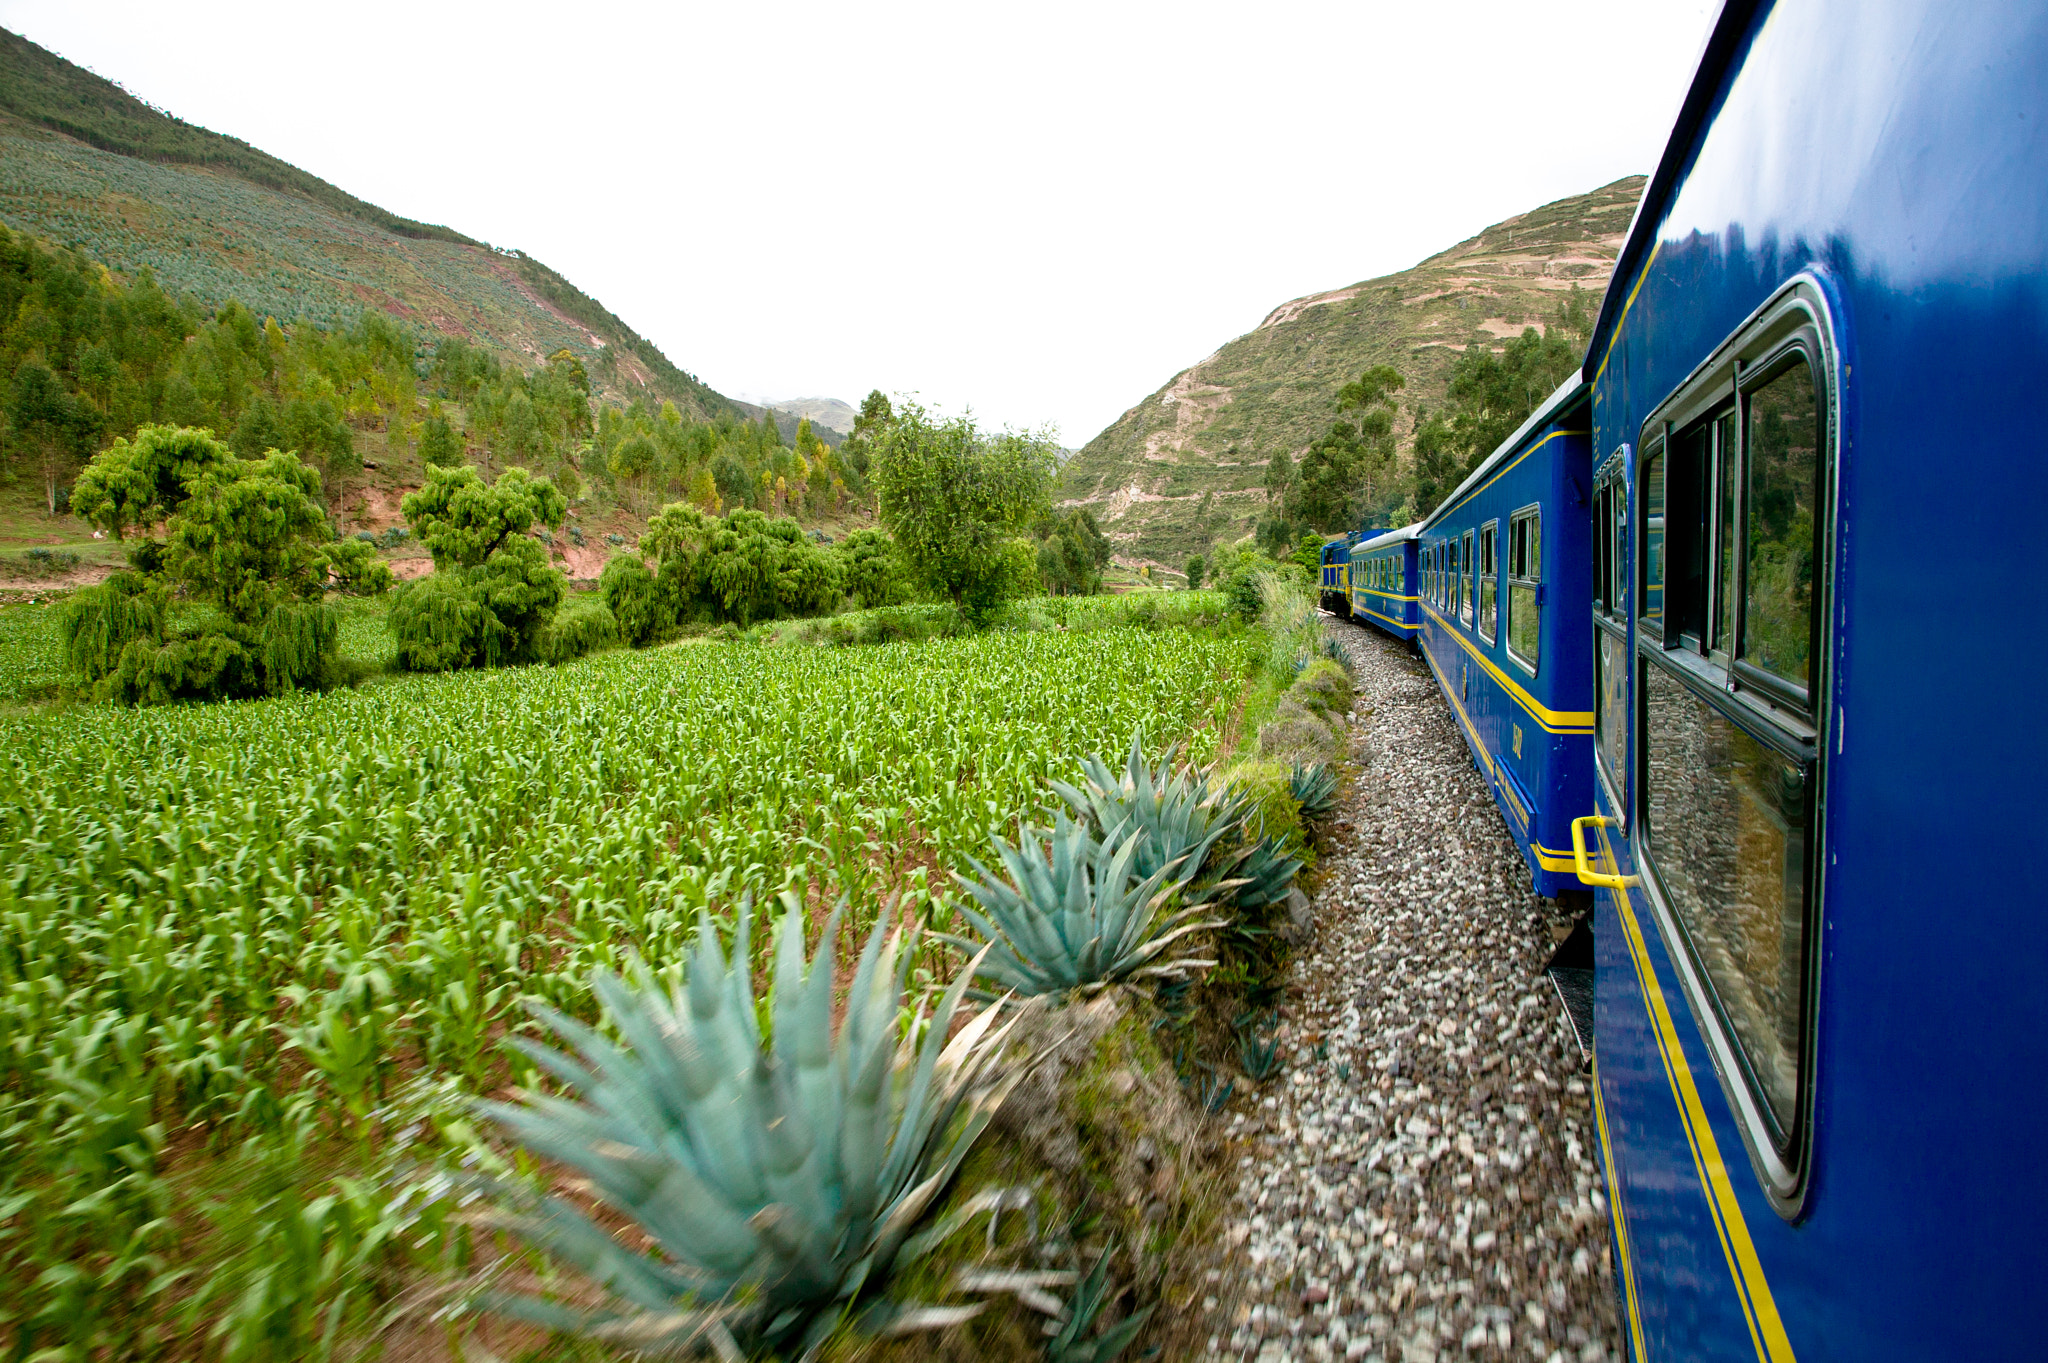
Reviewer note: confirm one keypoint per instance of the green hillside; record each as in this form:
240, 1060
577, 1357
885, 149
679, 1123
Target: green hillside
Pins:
85, 164
1186, 466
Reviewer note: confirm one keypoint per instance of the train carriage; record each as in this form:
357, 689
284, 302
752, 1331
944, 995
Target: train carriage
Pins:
1504, 571
1383, 585
1815, 380
1335, 579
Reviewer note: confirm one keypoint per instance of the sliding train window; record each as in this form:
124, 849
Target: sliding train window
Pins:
1489, 581
1610, 628
1469, 584
1525, 579
1731, 758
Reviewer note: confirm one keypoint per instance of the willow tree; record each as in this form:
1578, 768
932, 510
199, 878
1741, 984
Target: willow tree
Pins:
247, 537
492, 592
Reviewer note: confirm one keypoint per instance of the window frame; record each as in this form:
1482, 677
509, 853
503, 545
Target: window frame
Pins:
1797, 320
1468, 582
1489, 576
1522, 515
1610, 619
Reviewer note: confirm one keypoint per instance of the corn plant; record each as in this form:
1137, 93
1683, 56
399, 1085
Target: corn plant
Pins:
779, 1175
1075, 913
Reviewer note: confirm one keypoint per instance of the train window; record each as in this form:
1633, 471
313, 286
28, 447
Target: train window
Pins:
1610, 685
1730, 744
1610, 634
1468, 583
1489, 581
1699, 537
1525, 575
1780, 501
1603, 510
1652, 559
1725, 465
1726, 818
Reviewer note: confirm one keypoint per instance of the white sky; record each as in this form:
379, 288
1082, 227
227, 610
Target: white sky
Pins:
1039, 211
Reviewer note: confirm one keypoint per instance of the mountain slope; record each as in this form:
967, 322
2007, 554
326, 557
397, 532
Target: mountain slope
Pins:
84, 163
1186, 466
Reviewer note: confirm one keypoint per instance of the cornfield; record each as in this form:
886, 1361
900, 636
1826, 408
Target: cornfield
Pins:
251, 955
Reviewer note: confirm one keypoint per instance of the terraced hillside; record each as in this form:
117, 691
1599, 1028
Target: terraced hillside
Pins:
84, 163
1186, 466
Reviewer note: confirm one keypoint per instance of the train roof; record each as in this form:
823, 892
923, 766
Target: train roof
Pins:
1391, 537
1724, 41
1567, 392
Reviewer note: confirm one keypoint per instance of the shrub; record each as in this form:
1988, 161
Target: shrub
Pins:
1296, 734
579, 628
1323, 686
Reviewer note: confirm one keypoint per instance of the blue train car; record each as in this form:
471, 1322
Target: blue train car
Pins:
1822, 975
1335, 578
1383, 583
1504, 570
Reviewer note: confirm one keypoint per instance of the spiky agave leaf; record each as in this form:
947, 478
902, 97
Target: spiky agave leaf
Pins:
1074, 913
778, 1176
1314, 788
1180, 815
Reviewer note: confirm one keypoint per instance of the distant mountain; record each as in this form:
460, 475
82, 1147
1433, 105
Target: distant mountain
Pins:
84, 163
1186, 466
829, 412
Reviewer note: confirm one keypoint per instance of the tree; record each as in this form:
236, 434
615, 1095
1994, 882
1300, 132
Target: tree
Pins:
1346, 473
133, 485
856, 452
1195, 566
1072, 552
493, 591
440, 446
1439, 462
874, 568
956, 499
55, 426
246, 536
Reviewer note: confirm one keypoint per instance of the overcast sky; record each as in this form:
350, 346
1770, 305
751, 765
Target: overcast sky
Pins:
1038, 211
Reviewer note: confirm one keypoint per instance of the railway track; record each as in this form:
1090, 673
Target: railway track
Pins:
1418, 1183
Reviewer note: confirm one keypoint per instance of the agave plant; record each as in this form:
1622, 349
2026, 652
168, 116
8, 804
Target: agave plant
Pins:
1177, 814
1314, 788
1075, 914
1073, 1344
1261, 874
778, 1177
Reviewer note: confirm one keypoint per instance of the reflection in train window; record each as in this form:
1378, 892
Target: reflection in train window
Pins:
1726, 820
1782, 493
1610, 691
1652, 619
1524, 572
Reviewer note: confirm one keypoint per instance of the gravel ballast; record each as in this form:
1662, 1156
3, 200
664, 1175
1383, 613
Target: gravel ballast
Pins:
1417, 1183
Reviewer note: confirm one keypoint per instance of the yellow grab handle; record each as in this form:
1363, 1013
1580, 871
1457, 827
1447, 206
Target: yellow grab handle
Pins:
1584, 864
